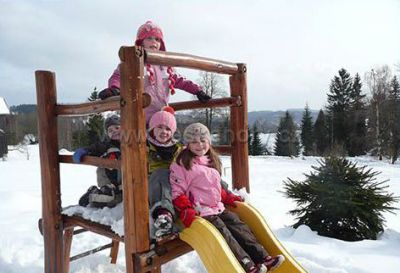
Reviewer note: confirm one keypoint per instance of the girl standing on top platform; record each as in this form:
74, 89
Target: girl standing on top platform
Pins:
159, 81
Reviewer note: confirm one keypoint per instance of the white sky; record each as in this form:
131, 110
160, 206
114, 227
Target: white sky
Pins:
292, 48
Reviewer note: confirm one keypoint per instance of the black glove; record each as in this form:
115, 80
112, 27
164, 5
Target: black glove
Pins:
202, 96
108, 92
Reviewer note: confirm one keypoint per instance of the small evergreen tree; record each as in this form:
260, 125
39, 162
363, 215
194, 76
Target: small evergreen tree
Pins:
340, 200
306, 136
321, 134
256, 145
286, 142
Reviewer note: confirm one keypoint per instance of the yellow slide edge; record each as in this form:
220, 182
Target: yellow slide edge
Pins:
211, 247
266, 237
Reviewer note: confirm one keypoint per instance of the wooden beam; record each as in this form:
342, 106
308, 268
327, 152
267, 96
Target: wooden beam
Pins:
50, 171
213, 103
190, 61
93, 161
223, 149
134, 155
73, 221
239, 134
162, 254
94, 107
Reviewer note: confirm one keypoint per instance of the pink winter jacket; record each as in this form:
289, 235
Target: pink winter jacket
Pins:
201, 184
159, 91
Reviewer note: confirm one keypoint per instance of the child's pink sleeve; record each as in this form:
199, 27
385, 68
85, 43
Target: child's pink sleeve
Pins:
177, 179
114, 80
185, 84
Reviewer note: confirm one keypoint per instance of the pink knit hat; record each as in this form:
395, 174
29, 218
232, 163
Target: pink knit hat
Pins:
149, 29
164, 117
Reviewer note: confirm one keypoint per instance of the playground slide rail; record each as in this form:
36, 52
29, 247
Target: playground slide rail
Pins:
215, 253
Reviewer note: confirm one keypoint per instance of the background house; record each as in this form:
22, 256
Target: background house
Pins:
7, 127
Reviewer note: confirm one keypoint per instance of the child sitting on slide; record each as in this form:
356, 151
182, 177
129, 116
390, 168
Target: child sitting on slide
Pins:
196, 190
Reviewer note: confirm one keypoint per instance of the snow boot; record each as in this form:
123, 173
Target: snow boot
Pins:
273, 262
163, 224
84, 200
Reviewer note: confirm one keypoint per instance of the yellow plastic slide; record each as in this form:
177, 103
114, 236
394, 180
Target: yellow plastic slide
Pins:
266, 237
216, 254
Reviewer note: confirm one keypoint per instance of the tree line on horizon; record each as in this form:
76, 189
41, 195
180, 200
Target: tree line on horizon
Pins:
351, 124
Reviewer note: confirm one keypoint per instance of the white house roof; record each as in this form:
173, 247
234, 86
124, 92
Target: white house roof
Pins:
4, 110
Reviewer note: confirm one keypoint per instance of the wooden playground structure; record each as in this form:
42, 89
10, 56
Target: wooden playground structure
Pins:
58, 229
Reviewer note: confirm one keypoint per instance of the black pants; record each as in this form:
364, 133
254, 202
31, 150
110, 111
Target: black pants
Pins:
239, 237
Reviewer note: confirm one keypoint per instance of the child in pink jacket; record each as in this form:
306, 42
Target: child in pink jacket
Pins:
159, 80
196, 190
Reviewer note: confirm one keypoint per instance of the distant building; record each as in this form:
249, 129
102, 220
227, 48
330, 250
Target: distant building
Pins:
7, 127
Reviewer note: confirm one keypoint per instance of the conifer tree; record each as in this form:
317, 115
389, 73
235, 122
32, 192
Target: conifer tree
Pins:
339, 106
321, 134
95, 122
340, 200
307, 138
356, 144
286, 142
394, 120
256, 145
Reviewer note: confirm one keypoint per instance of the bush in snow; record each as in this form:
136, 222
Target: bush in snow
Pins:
340, 200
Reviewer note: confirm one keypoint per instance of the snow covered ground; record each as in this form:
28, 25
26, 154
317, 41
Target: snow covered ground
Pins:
21, 245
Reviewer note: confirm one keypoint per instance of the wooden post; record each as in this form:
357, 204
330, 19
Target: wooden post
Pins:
50, 170
239, 135
68, 235
114, 251
134, 155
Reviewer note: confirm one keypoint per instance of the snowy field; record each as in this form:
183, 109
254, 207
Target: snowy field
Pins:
21, 245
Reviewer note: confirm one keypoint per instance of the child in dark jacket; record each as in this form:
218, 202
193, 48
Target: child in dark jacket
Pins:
159, 81
196, 190
162, 151
108, 192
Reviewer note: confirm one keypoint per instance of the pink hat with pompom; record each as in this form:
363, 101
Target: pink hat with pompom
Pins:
149, 29
164, 117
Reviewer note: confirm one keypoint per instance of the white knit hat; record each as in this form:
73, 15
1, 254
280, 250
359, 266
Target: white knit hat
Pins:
196, 130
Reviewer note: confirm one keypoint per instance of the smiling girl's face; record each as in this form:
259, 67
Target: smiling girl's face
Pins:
199, 146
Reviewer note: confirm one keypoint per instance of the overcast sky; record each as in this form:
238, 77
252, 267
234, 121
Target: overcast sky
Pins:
293, 48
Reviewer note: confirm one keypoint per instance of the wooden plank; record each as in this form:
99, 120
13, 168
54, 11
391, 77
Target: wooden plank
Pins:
94, 107
162, 254
73, 221
134, 155
93, 161
50, 171
223, 149
239, 134
213, 103
190, 61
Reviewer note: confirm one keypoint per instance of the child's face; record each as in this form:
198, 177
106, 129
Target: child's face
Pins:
152, 43
199, 146
162, 133
114, 132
